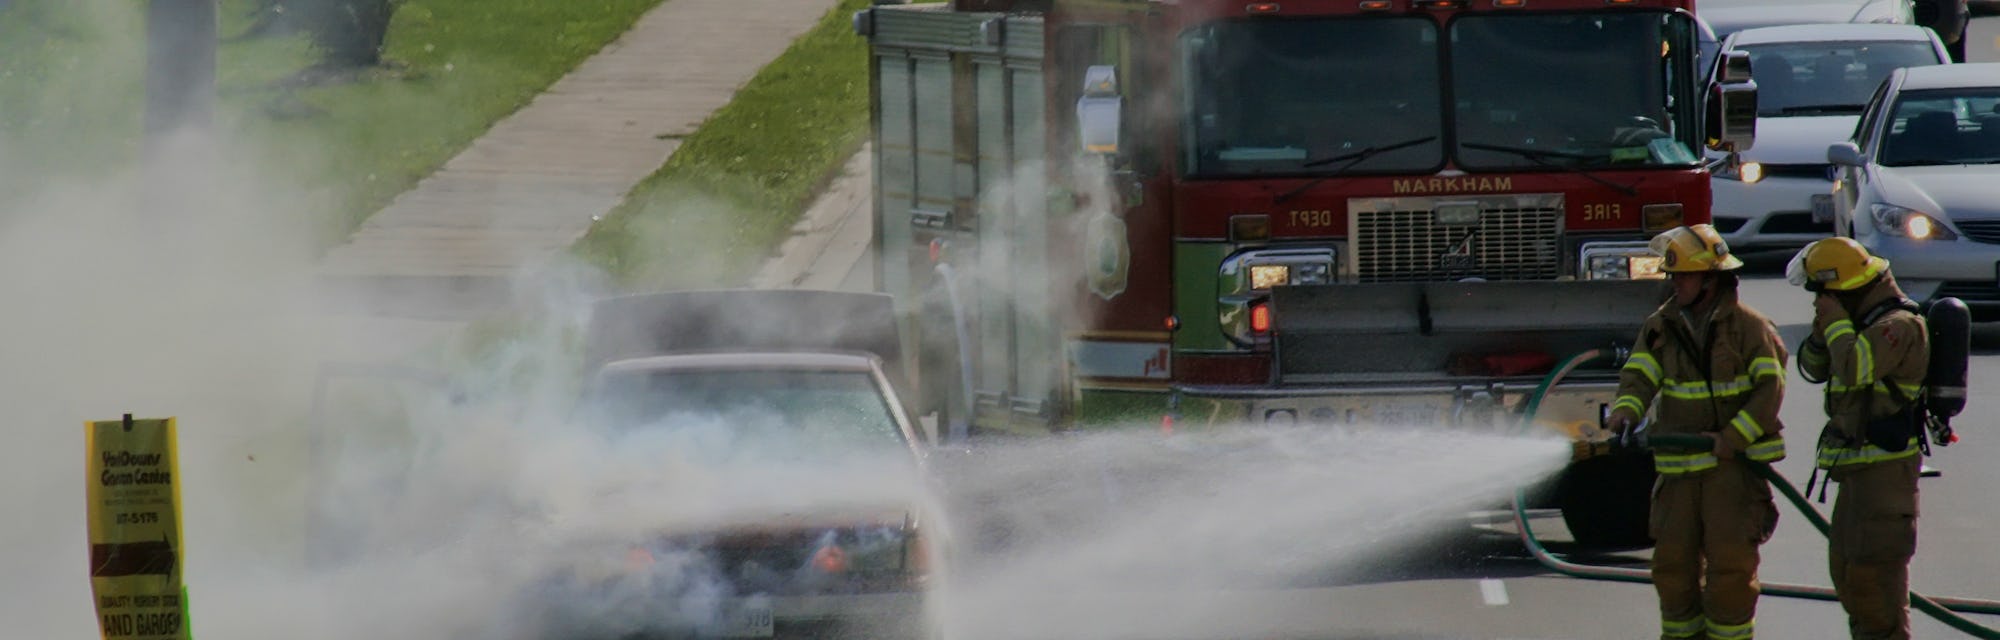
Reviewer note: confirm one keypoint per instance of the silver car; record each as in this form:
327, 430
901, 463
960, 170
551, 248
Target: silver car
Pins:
1812, 82
1730, 16
1919, 183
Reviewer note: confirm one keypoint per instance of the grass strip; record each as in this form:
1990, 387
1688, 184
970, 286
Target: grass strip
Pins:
737, 184
71, 86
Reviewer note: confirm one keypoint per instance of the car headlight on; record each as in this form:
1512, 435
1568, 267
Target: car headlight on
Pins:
1618, 261
1745, 172
1904, 222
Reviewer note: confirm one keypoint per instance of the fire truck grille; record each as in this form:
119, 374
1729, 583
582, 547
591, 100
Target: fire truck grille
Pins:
1432, 239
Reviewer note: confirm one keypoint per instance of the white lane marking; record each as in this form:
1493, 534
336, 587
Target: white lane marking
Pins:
1494, 591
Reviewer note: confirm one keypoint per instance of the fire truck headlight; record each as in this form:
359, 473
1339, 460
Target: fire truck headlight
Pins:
1260, 270
1619, 261
1245, 280
1313, 273
1265, 276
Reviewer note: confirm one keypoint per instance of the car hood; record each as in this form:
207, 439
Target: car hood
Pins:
1798, 139
1960, 192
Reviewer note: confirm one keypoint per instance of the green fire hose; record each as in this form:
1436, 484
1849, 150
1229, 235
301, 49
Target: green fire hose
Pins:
1945, 610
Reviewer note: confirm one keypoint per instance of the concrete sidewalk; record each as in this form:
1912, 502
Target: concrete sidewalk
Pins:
833, 244
451, 249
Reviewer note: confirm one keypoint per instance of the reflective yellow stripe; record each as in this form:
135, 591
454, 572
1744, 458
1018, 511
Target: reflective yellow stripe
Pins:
1699, 390
1629, 402
1859, 279
1837, 329
1747, 426
1645, 365
1765, 367
1864, 360
1767, 451
1682, 628
1682, 463
1830, 457
1731, 631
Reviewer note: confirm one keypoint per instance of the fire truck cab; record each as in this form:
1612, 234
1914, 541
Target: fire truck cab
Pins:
1336, 212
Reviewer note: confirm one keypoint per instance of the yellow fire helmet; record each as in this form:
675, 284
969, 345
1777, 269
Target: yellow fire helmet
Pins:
1834, 264
1695, 248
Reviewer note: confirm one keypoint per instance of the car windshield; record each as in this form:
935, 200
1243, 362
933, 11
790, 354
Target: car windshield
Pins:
792, 410
1943, 126
1582, 88
1823, 78
1273, 96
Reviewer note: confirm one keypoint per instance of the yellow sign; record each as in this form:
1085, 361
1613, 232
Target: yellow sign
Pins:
135, 530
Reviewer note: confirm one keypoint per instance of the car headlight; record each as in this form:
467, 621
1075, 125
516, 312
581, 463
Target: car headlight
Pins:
1904, 222
1746, 172
1618, 261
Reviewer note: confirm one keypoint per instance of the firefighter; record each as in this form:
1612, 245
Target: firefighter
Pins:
1716, 368
1871, 350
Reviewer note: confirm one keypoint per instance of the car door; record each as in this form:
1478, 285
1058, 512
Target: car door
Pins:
1850, 181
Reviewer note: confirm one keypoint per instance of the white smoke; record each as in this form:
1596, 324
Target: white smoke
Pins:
442, 511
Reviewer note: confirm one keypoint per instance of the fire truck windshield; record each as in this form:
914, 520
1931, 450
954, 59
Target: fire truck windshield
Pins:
1269, 97
1589, 89
1272, 96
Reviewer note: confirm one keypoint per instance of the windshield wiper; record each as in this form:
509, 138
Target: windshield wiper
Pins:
1352, 158
1821, 108
1536, 156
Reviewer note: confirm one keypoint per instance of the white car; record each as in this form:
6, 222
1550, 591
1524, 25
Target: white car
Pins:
1812, 82
1731, 16
807, 512
1919, 183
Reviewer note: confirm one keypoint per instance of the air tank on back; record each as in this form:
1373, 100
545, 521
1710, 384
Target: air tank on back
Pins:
1951, 348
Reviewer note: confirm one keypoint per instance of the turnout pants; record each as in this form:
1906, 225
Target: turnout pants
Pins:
1874, 535
1707, 527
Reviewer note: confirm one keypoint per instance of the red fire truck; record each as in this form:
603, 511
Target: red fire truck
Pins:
1368, 212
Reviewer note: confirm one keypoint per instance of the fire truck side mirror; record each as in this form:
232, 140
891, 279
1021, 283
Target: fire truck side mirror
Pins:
1732, 105
1098, 111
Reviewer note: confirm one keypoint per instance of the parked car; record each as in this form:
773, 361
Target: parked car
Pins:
1919, 183
1947, 17
1730, 16
788, 393
1812, 83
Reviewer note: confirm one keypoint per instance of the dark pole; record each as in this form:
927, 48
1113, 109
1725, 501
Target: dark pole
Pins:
181, 38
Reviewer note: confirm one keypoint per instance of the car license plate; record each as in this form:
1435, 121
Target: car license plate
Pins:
749, 619
1822, 208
